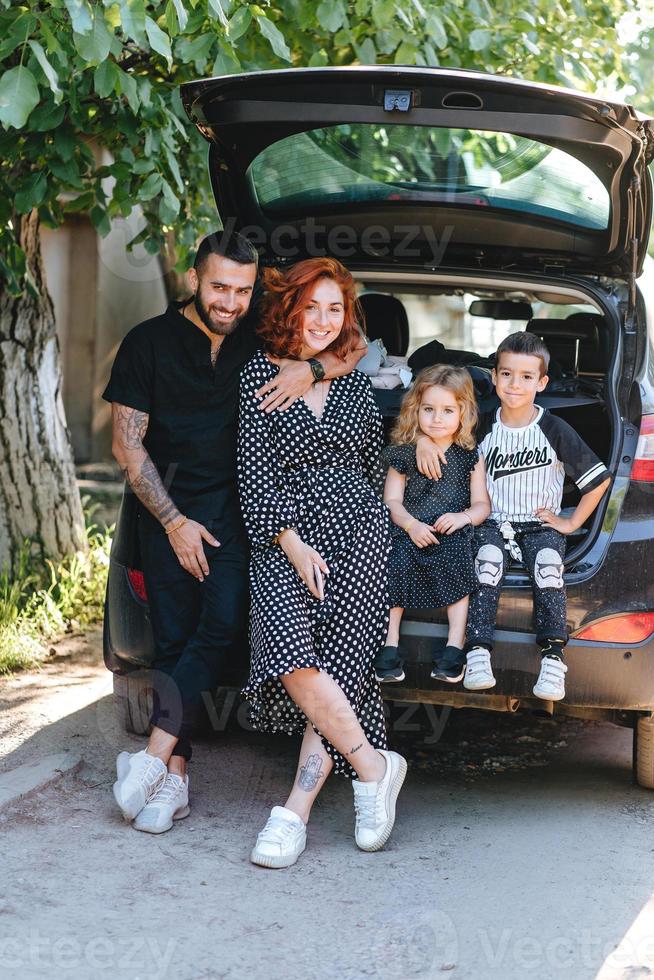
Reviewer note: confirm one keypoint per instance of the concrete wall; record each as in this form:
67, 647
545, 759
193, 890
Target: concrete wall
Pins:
99, 292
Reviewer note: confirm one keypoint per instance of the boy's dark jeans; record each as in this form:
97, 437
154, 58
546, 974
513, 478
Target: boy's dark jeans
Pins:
543, 550
194, 623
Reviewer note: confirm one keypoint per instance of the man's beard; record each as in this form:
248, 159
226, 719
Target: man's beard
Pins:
221, 329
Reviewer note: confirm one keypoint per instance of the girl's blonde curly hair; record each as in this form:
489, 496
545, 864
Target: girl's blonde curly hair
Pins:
454, 379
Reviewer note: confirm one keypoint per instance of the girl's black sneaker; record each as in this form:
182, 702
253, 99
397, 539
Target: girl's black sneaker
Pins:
450, 666
389, 667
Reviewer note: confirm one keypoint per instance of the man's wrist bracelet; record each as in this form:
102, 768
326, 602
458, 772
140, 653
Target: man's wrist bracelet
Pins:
176, 527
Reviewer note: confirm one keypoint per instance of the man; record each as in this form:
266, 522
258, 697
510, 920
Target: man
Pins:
174, 394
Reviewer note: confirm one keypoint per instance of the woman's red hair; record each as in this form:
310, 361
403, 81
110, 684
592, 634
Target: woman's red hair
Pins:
287, 293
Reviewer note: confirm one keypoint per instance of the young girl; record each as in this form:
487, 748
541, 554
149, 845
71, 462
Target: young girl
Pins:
431, 563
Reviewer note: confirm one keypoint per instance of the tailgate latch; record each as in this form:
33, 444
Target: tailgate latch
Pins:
397, 100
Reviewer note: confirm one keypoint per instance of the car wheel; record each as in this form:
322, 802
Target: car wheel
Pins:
644, 752
133, 701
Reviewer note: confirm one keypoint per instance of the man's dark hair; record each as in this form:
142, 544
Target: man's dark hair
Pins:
230, 244
524, 343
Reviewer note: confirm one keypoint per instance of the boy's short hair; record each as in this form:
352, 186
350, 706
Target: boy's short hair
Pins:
524, 343
228, 243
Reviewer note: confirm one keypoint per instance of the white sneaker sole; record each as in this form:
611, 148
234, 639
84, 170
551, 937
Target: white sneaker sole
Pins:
396, 786
177, 815
481, 685
539, 693
280, 861
131, 806
390, 680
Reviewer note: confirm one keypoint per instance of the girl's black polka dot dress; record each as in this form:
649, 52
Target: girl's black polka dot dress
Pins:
440, 574
317, 476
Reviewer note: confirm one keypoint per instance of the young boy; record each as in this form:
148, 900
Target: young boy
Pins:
527, 452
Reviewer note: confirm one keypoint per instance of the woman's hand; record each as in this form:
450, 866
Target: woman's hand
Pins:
294, 380
429, 458
449, 523
303, 558
421, 534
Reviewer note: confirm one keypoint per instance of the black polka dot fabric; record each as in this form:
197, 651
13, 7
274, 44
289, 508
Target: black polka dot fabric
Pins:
322, 477
443, 573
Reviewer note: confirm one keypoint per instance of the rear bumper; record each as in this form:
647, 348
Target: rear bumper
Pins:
600, 675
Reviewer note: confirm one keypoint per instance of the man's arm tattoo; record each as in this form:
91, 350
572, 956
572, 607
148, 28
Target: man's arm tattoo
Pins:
130, 427
310, 773
355, 749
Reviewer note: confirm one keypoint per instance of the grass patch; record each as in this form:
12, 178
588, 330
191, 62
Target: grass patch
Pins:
41, 601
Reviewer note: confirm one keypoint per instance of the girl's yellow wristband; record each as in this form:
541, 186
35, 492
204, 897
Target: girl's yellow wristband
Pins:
409, 523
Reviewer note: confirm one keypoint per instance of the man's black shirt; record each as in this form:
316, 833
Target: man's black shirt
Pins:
163, 367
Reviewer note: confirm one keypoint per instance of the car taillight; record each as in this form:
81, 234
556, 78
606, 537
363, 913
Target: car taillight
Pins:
137, 582
625, 628
643, 468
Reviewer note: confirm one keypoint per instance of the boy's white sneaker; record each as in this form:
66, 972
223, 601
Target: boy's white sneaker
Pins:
281, 841
168, 803
374, 803
551, 680
479, 674
140, 776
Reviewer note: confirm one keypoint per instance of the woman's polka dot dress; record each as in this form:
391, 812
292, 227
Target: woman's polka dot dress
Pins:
443, 573
317, 476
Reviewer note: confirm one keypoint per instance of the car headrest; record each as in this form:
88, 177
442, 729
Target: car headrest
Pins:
584, 328
386, 320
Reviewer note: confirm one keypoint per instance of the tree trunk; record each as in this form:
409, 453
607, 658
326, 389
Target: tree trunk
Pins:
39, 498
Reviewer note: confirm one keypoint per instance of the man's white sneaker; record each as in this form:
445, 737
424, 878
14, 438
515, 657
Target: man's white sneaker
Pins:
551, 680
479, 674
168, 804
139, 777
374, 803
281, 841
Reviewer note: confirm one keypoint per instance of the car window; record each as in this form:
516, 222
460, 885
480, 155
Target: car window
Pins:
359, 163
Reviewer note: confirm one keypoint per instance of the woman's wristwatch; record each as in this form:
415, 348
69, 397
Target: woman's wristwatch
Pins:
317, 369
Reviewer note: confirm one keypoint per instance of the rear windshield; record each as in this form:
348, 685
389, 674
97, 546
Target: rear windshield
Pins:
360, 163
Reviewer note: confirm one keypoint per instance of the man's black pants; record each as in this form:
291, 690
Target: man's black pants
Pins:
194, 623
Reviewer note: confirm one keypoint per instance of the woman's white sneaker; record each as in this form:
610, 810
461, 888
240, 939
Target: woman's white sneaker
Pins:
281, 841
479, 674
139, 777
168, 803
374, 803
551, 680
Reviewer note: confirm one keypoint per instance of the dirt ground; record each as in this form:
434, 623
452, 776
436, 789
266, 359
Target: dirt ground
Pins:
522, 848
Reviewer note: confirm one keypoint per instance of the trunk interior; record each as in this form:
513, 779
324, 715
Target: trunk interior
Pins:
429, 319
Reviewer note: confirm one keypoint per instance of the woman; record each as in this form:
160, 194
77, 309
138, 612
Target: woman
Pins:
320, 543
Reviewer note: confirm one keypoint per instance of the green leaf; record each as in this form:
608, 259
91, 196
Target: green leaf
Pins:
404, 17
67, 173
169, 204
95, 45
430, 55
239, 23
331, 15
105, 78
226, 63
182, 16
151, 246
127, 87
174, 168
19, 94
318, 59
150, 188
31, 192
46, 116
383, 12
530, 46
215, 10
100, 220
159, 41
21, 27
405, 54
436, 30
48, 70
274, 36
132, 16
366, 52
80, 15
64, 142
479, 40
